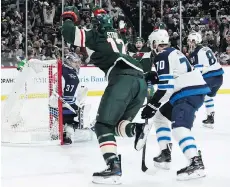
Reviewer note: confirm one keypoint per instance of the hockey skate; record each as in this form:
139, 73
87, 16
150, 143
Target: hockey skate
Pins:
111, 175
209, 122
142, 132
68, 136
163, 161
193, 171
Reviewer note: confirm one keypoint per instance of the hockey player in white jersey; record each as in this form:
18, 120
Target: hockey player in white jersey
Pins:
70, 89
181, 91
203, 59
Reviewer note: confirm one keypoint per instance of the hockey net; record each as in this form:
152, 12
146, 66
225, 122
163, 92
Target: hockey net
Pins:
27, 117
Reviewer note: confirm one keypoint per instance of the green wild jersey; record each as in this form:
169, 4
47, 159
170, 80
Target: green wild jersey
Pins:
109, 50
144, 58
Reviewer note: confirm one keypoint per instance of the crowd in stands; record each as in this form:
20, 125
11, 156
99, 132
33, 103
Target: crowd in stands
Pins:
209, 17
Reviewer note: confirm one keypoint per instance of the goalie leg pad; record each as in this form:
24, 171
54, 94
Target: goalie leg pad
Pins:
68, 134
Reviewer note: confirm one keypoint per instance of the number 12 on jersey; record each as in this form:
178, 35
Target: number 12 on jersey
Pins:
115, 44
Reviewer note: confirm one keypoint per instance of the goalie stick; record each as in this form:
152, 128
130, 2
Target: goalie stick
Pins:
67, 105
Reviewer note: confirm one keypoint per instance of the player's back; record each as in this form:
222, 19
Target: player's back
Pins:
204, 59
110, 53
172, 66
107, 46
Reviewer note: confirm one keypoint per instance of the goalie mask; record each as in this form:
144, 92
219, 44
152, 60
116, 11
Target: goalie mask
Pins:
73, 60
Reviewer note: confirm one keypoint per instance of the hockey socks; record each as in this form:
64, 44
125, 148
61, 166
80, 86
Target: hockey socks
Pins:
209, 104
187, 143
107, 141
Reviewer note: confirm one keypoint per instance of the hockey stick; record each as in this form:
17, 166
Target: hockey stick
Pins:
144, 168
143, 165
67, 105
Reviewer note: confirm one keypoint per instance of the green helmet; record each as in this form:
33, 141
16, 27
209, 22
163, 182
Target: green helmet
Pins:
101, 19
104, 21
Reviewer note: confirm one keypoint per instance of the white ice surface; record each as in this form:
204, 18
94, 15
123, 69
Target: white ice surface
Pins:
72, 166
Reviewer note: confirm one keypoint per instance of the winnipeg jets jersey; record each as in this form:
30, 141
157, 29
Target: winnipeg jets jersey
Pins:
204, 60
70, 83
176, 77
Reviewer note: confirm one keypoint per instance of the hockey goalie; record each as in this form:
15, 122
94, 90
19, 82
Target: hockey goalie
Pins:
74, 110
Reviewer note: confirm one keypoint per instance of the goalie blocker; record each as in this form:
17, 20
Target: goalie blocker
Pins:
75, 112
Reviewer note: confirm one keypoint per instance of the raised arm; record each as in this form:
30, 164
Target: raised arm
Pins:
70, 31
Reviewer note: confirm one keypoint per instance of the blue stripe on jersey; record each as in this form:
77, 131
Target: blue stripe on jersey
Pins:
67, 112
198, 66
188, 91
165, 86
69, 99
165, 77
214, 73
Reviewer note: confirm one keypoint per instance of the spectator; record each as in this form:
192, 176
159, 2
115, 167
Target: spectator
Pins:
225, 57
210, 18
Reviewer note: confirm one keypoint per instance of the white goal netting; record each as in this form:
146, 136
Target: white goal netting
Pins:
26, 115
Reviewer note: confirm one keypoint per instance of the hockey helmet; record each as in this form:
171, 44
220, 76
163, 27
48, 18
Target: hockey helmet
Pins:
193, 40
194, 37
158, 37
101, 19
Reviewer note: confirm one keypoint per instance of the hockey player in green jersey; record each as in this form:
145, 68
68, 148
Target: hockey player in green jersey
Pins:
142, 53
124, 94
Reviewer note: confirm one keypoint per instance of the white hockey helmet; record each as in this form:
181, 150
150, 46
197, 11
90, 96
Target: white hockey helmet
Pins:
159, 36
152, 40
195, 37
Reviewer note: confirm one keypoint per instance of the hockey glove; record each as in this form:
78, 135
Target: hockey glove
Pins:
152, 77
149, 111
21, 65
71, 12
